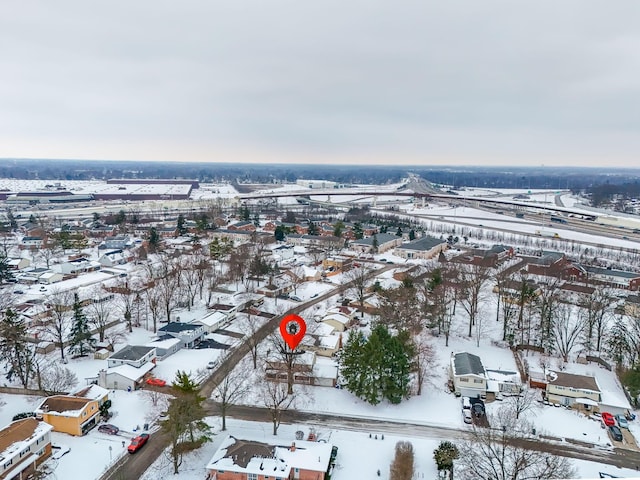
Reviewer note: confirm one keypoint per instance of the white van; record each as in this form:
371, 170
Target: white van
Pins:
466, 403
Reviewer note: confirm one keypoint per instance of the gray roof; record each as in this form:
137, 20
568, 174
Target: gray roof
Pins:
467, 363
612, 273
382, 238
131, 352
424, 243
176, 327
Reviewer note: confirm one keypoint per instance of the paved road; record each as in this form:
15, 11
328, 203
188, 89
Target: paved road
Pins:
618, 457
133, 467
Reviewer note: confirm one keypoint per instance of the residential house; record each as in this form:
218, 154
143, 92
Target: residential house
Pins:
79, 265
189, 333
502, 382
423, 248
112, 258
327, 242
308, 369
31, 243
18, 263
378, 243
118, 242
337, 320
577, 391
69, 414
92, 392
123, 377
632, 305
24, 445
282, 253
249, 459
467, 375
134, 355
165, 346
337, 264
614, 278
212, 321
244, 226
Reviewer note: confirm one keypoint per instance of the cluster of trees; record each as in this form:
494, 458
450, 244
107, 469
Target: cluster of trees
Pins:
377, 367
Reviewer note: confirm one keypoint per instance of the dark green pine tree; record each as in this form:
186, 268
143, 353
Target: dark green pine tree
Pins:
154, 239
357, 230
399, 232
351, 363
15, 349
80, 339
618, 343
377, 368
5, 272
180, 225
412, 234
313, 229
279, 233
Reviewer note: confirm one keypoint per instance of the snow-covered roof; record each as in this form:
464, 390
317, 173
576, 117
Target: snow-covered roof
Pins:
337, 317
254, 457
212, 319
65, 405
164, 343
131, 372
91, 392
614, 399
15, 437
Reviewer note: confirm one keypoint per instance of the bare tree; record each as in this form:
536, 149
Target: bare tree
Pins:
525, 401
424, 360
154, 304
277, 400
359, 279
59, 317
54, 378
115, 335
473, 279
566, 330
596, 311
297, 277
250, 326
282, 357
496, 454
100, 311
402, 467
232, 388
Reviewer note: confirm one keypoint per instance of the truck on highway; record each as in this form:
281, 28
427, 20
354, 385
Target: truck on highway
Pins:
543, 233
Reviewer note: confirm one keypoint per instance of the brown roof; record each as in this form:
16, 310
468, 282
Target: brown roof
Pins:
242, 451
63, 403
574, 381
16, 432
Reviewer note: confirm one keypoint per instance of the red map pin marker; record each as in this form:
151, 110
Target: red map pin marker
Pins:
292, 329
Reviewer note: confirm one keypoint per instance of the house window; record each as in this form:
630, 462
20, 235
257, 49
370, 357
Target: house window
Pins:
8, 464
475, 380
252, 476
466, 380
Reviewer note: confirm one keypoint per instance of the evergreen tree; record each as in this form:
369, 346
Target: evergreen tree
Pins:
256, 219
80, 339
245, 214
379, 367
6, 274
338, 228
17, 352
399, 232
279, 233
374, 244
444, 456
313, 229
180, 225
154, 240
412, 234
357, 230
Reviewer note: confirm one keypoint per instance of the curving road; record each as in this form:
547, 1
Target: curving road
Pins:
132, 467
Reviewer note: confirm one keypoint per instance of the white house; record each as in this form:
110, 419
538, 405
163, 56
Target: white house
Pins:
467, 375
165, 345
24, 444
189, 333
124, 377
134, 355
422, 248
212, 321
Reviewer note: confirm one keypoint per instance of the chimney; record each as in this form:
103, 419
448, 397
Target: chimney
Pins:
293, 447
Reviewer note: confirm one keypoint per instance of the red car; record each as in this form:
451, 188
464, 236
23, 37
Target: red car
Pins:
157, 382
138, 442
608, 419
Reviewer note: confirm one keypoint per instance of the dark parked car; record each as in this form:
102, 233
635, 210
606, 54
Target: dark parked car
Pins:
616, 433
108, 428
477, 409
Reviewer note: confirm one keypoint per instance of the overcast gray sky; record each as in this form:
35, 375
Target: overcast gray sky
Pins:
405, 81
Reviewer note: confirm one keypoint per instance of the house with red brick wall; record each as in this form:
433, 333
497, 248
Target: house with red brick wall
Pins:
251, 459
